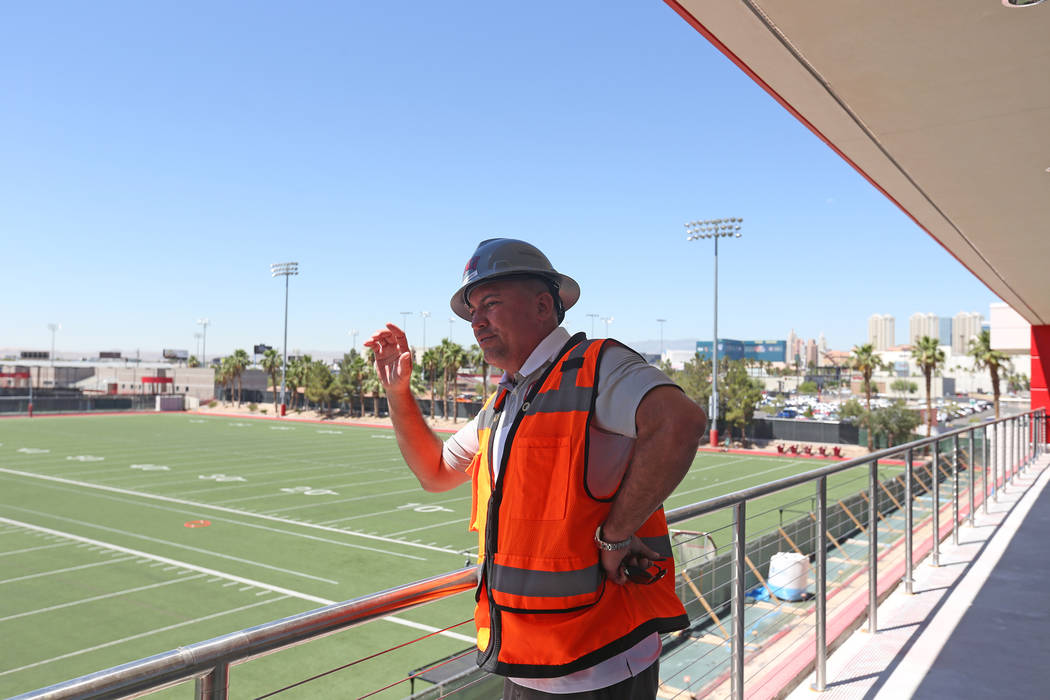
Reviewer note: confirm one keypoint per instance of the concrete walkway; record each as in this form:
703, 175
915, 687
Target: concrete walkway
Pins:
978, 625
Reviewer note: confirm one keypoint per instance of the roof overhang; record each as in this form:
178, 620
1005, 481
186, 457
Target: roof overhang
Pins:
943, 105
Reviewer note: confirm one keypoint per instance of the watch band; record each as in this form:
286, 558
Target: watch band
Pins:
609, 546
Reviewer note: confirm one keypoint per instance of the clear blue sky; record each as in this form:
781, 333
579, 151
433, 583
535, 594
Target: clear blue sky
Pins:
155, 158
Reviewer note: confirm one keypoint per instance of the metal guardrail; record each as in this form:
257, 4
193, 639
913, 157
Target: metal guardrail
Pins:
209, 662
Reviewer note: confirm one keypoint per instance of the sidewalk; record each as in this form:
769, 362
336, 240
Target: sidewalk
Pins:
975, 626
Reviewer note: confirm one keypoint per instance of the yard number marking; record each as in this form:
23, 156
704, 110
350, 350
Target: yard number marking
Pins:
310, 491
85, 458
197, 523
221, 477
422, 508
331, 432
151, 467
33, 450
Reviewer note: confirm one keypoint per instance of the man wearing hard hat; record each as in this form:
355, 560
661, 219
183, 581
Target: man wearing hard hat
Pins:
570, 460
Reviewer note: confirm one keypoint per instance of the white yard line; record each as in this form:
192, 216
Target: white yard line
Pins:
183, 512
286, 592
133, 637
104, 596
155, 540
34, 549
194, 504
427, 527
722, 482
65, 570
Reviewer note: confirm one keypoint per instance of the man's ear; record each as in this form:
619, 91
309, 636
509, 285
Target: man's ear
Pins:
545, 304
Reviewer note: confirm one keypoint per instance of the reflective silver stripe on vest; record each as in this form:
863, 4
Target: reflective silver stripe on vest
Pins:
570, 399
487, 416
661, 544
526, 582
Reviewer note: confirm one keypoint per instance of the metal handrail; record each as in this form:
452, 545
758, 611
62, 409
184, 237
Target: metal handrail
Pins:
730, 499
209, 661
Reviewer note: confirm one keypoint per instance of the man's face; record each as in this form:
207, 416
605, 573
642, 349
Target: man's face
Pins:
509, 319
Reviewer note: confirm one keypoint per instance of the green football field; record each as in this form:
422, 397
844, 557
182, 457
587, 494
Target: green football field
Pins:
126, 536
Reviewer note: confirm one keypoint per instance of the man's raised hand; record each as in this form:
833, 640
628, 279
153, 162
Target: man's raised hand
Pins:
393, 357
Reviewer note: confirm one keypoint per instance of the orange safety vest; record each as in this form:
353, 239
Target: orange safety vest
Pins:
544, 608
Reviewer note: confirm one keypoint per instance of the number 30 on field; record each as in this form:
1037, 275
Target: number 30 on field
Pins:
421, 508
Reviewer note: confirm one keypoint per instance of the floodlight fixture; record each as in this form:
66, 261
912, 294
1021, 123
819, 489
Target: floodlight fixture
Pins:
714, 229
285, 269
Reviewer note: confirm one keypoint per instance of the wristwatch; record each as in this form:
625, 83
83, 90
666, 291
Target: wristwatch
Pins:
609, 546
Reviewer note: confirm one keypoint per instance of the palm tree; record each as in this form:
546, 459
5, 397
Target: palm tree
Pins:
193, 362
984, 357
239, 361
352, 370
372, 385
296, 377
452, 358
431, 362
866, 361
476, 359
225, 375
929, 356
271, 364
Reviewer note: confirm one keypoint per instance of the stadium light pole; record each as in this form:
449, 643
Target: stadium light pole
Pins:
661, 321
425, 315
285, 269
353, 338
607, 320
197, 337
203, 322
592, 317
404, 321
714, 229
53, 327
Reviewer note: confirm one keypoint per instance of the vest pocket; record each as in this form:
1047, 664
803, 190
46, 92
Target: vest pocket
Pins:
538, 479
540, 584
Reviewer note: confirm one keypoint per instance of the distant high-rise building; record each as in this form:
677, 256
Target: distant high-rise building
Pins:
881, 333
966, 325
944, 337
811, 353
822, 344
756, 350
920, 325
791, 349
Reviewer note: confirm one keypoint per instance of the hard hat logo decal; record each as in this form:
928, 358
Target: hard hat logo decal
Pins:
471, 269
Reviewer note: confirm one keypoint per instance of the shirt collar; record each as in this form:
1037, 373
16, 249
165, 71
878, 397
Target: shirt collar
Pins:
541, 355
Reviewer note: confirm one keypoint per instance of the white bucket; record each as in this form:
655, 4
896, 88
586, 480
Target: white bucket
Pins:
788, 575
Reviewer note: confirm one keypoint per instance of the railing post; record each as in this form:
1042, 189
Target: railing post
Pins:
821, 556
986, 453
873, 546
936, 489
739, 569
908, 523
996, 461
971, 466
955, 489
1013, 448
214, 685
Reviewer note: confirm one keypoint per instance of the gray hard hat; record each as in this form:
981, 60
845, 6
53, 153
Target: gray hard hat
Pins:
507, 257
